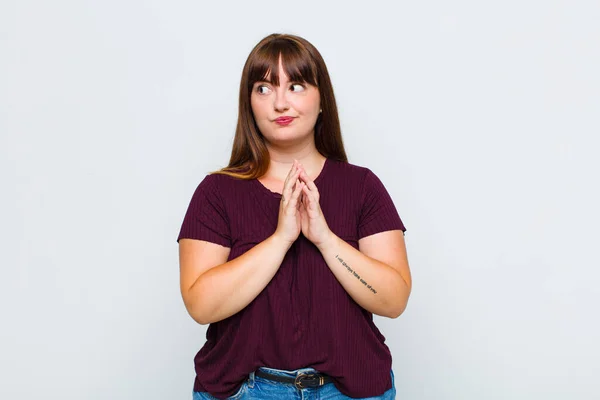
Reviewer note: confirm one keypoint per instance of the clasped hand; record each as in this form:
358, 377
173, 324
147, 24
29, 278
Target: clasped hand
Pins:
300, 211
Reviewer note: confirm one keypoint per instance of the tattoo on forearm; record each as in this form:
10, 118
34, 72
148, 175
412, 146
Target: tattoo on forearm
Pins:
357, 276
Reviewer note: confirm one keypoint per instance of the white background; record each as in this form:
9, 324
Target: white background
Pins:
481, 118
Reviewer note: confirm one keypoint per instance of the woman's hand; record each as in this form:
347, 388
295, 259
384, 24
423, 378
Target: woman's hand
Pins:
289, 223
313, 223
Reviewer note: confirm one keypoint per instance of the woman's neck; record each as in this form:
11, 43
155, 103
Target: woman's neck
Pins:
281, 163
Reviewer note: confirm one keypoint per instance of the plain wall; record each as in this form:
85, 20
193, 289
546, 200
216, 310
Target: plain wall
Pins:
481, 118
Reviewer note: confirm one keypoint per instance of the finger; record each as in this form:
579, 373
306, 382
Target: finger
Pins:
309, 182
303, 204
309, 196
288, 185
295, 195
291, 171
300, 196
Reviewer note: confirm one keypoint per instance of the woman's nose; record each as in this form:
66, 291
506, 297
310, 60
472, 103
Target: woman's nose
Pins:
281, 102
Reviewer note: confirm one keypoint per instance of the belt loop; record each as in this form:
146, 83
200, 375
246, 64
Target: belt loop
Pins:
251, 380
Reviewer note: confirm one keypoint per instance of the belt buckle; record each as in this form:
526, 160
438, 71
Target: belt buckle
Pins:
300, 376
298, 382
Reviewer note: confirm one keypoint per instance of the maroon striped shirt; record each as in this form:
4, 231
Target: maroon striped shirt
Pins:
303, 317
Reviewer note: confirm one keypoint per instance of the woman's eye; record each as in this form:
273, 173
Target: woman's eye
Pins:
262, 89
296, 87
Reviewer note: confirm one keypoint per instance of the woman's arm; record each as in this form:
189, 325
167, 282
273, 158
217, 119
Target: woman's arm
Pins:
213, 289
377, 275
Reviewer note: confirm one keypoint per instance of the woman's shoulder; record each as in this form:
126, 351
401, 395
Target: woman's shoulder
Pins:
217, 184
349, 170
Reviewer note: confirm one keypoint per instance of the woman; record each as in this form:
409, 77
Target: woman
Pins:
289, 250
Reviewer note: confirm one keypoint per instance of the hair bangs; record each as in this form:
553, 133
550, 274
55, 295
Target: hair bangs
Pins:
297, 64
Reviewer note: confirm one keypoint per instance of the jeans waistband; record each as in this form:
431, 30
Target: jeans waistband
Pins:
291, 374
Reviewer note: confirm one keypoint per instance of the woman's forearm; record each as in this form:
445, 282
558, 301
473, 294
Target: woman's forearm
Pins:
224, 290
374, 285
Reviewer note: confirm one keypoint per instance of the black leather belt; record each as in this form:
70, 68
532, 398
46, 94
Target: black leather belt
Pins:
301, 381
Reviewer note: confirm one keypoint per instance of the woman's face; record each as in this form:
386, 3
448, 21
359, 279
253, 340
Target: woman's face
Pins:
287, 112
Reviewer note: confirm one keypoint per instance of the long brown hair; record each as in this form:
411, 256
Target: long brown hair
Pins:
302, 63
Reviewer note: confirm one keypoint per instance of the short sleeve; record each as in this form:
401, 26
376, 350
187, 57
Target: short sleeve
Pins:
206, 218
378, 213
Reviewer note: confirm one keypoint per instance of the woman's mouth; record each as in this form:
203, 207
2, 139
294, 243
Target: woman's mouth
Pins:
284, 120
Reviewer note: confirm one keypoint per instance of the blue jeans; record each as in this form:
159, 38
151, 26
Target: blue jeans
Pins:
259, 388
